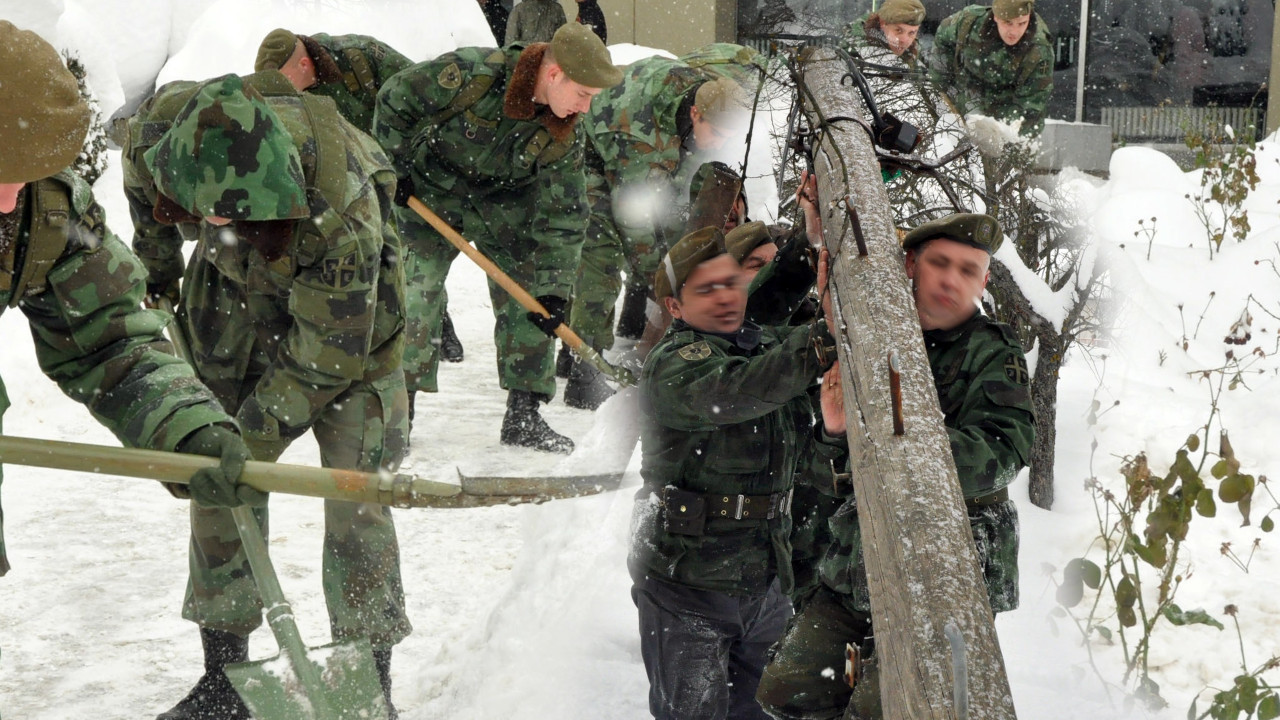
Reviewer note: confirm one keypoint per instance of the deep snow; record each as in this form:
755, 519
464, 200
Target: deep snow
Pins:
524, 612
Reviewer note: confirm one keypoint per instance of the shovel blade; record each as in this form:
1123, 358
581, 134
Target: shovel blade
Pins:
349, 687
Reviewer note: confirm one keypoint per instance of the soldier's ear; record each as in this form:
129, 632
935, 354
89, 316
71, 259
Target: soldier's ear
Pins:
672, 305
910, 264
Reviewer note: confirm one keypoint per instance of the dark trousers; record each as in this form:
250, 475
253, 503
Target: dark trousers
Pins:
704, 650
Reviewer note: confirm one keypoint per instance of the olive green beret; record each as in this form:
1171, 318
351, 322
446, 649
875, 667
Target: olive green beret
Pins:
906, 12
721, 101
741, 240
975, 229
712, 193
43, 119
276, 49
693, 249
1012, 9
582, 56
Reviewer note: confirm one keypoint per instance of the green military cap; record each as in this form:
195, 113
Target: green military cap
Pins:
975, 229
693, 249
43, 119
720, 101
712, 193
905, 12
582, 56
229, 155
741, 240
1012, 9
276, 49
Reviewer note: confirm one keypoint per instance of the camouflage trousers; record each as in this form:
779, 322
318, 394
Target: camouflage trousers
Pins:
365, 428
798, 683
599, 278
525, 353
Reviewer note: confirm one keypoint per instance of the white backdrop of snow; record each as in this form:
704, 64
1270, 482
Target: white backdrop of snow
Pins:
524, 612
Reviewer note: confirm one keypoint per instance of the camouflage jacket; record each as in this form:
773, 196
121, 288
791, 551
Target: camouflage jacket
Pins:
534, 21
981, 376
464, 125
640, 153
722, 418
351, 69
92, 335
973, 66
281, 340
739, 63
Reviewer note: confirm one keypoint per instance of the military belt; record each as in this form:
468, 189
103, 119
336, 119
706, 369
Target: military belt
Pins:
748, 507
994, 498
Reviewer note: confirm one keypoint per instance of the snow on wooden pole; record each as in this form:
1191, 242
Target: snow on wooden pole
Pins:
922, 568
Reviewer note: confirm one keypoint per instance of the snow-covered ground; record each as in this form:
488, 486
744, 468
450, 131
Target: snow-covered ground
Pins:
524, 612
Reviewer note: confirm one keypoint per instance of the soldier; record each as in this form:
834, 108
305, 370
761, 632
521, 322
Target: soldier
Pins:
292, 305
349, 69
488, 139
81, 289
894, 27
725, 404
590, 14
997, 61
981, 377
645, 139
496, 15
534, 21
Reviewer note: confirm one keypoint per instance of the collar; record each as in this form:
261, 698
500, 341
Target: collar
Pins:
949, 336
327, 70
746, 337
518, 102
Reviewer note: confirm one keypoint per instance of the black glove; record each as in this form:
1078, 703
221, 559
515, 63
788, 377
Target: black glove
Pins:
404, 191
555, 307
220, 486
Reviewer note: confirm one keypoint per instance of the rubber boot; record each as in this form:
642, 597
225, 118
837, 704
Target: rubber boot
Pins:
450, 345
524, 427
564, 361
382, 659
587, 388
632, 319
213, 697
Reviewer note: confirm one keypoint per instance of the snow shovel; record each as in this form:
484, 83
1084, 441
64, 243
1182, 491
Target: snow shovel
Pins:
620, 375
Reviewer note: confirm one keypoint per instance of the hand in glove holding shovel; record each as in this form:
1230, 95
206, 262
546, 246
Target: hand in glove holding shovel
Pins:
219, 486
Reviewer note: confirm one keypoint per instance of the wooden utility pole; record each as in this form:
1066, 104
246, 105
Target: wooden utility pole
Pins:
922, 568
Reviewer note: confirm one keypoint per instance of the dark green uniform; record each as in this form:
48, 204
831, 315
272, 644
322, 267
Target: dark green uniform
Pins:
91, 334
973, 66
465, 135
725, 418
533, 21
296, 326
351, 69
981, 377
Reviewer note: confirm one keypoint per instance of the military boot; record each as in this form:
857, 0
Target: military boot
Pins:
632, 319
213, 697
564, 361
524, 427
587, 388
382, 659
450, 345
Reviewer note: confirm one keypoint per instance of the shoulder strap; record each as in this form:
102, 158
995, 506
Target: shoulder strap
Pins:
475, 89
962, 32
50, 217
361, 75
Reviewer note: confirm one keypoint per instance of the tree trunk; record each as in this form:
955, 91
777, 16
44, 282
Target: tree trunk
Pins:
922, 568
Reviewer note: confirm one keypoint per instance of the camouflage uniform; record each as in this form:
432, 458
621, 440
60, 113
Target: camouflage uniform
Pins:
534, 21
351, 69
91, 334
973, 66
465, 136
982, 382
296, 326
724, 420
638, 139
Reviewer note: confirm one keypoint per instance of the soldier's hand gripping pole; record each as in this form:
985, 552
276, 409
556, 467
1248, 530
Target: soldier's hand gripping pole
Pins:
620, 375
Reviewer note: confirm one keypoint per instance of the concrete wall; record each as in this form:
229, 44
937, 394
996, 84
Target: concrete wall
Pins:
675, 25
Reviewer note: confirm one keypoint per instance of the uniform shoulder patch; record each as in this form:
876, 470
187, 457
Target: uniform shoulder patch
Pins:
696, 351
450, 78
340, 272
1015, 368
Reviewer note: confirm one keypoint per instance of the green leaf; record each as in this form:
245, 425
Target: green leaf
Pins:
1126, 616
1104, 631
1071, 591
1177, 616
1193, 442
1205, 504
1234, 488
1220, 469
1269, 707
1247, 692
1267, 524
